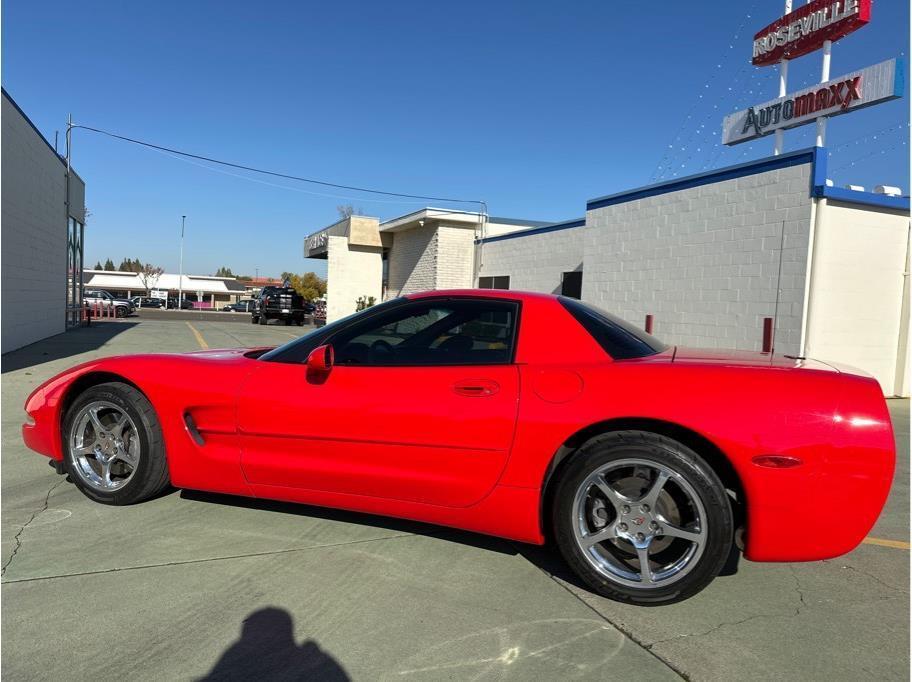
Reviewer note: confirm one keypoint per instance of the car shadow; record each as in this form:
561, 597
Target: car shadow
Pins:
69, 343
546, 557
267, 650
463, 537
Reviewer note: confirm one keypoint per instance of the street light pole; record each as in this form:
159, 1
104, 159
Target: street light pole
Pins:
180, 277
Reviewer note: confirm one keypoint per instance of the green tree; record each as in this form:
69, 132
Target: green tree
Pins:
310, 285
97, 266
224, 272
109, 265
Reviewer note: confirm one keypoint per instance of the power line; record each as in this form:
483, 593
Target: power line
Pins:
276, 174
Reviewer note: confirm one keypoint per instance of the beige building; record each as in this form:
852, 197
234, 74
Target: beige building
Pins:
429, 249
711, 259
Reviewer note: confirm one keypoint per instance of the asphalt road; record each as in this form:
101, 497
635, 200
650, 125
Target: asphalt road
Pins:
217, 316
191, 585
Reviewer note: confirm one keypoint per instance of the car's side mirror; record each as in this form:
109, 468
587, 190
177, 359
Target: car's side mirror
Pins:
321, 359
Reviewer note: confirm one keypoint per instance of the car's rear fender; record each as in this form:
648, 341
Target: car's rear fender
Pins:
743, 413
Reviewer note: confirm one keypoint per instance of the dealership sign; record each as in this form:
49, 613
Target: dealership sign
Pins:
805, 30
871, 85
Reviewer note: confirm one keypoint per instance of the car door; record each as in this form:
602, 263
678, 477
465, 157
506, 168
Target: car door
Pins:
420, 405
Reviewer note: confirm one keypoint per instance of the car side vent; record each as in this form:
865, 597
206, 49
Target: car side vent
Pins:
192, 430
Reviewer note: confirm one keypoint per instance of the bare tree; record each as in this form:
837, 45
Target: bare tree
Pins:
149, 276
347, 211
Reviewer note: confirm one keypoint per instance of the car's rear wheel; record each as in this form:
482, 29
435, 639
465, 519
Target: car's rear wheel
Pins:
113, 445
254, 319
642, 518
263, 319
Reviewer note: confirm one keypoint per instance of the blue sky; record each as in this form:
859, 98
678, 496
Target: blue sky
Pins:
534, 107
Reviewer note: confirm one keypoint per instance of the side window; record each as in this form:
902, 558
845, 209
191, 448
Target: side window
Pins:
499, 282
439, 333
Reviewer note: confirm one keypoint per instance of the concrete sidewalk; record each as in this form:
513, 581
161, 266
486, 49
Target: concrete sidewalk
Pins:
191, 584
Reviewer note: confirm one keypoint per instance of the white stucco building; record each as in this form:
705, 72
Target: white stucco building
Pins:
204, 291
709, 257
42, 234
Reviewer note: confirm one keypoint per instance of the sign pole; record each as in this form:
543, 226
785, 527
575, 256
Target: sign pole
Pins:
824, 77
783, 83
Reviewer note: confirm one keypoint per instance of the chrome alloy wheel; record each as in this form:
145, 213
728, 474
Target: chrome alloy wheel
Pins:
639, 523
104, 446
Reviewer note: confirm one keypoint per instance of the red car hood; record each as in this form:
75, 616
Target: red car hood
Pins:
225, 353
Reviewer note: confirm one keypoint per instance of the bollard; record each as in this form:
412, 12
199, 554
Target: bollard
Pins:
648, 326
767, 334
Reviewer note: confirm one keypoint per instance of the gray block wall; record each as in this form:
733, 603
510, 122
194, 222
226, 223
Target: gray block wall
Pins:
34, 233
535, 262
703, 261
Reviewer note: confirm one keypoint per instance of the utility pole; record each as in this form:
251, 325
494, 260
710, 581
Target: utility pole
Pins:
180, 277
783, 82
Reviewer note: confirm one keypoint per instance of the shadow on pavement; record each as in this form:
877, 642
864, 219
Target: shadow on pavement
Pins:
389, 523
67, 344
267, 650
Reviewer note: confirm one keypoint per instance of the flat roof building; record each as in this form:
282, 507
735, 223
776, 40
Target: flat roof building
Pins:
42, 234
709, 258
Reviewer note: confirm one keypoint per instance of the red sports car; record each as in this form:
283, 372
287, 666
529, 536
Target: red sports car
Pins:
521, 415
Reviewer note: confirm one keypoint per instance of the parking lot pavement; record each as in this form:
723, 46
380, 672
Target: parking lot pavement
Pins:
191, 584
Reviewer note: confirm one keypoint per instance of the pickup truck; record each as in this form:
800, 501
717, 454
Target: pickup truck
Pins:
280, 303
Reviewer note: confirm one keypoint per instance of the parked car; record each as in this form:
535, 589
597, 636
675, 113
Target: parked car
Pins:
245, 306
147, 302
184, 304
121, 306
280, 303
514, 414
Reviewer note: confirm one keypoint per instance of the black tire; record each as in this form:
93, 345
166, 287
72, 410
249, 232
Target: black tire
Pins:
263, 319
288, 321
254, 319
120, 311
600, 452
151, 473
301, 322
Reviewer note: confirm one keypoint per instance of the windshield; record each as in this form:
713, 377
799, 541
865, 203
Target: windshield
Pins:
618, 338
299, 349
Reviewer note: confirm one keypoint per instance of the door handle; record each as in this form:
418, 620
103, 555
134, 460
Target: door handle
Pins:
476, 388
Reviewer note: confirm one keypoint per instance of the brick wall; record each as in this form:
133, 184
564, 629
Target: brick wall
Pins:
536, 262
34, 233
704, 261
455, 247
412, 261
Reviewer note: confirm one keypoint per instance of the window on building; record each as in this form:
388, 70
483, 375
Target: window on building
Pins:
500, 282
433, 333
572, 284
74, 272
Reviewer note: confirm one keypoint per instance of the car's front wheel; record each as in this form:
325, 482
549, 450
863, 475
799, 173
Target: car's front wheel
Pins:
114, 450
642, 518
